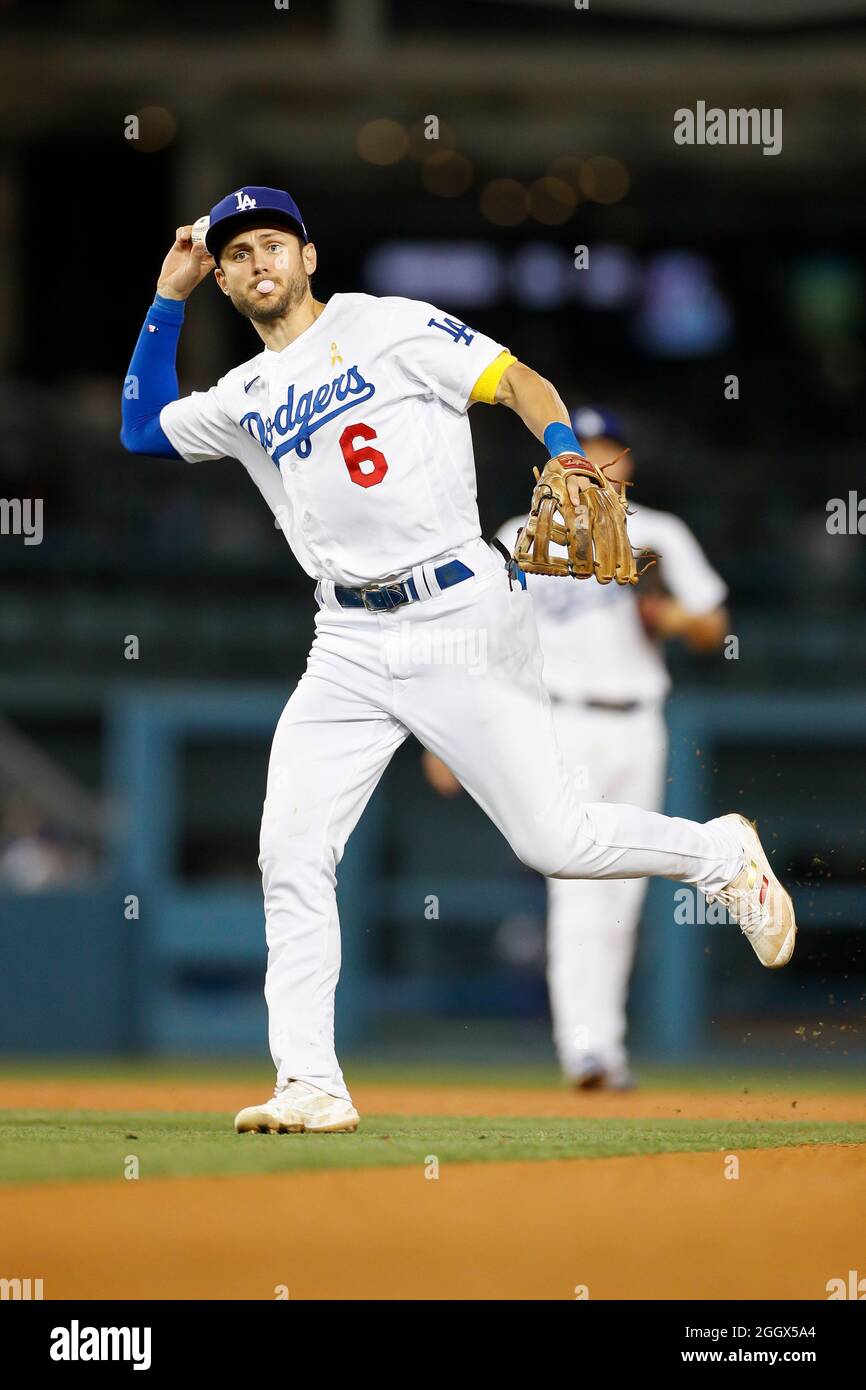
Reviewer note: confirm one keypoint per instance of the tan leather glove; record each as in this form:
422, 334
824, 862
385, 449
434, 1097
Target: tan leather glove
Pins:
592, 529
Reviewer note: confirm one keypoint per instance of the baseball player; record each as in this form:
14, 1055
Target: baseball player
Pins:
610, 723
352, 420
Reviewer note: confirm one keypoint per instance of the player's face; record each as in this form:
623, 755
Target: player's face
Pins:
602, 451
265, 272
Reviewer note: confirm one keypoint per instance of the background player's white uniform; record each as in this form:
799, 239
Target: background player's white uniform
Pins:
607, 682
358, 437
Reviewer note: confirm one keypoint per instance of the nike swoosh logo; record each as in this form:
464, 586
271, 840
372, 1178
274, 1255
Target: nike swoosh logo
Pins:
248, 384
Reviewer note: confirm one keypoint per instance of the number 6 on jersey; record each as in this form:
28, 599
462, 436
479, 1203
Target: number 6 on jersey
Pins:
355, 457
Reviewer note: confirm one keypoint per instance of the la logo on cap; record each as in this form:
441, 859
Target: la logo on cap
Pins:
244, 200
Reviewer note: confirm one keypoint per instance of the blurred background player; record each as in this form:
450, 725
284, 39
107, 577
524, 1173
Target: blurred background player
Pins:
607, 680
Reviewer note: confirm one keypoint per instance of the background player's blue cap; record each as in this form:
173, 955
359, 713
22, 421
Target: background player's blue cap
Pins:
251, 207
594, 422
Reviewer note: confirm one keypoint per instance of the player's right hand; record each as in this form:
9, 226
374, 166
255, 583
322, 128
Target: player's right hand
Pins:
185, 266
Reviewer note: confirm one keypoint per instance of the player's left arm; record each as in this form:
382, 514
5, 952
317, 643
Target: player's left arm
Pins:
693, 607
531, 396
666, 617
541, 408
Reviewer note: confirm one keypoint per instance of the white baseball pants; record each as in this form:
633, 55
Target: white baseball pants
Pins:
592, 924
462, 672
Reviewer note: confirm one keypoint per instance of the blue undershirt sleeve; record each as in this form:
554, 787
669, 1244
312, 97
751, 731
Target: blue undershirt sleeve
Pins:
151, 381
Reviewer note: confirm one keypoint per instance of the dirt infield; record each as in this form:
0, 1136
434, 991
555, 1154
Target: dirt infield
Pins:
669, 1226
664, 1226
400, 1099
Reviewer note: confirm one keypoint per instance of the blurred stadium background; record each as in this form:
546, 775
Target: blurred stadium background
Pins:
142, 779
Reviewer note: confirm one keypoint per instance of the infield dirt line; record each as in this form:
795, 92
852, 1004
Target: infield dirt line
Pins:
489, 1102
666, 1226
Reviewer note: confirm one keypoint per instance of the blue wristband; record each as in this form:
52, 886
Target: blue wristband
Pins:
561, 439
167, 310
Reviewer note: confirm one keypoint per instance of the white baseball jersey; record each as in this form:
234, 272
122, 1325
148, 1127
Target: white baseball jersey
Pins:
356, 434
594, 644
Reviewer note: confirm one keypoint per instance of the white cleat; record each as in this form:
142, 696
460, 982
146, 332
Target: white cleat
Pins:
757, 902
299, 1108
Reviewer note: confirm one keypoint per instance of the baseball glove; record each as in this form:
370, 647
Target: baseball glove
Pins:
591, 536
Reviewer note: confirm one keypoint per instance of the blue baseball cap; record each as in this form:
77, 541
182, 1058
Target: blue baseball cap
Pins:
252, 207
594, 422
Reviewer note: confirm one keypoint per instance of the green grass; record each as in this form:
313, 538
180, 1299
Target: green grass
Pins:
88, 1144
56, 1145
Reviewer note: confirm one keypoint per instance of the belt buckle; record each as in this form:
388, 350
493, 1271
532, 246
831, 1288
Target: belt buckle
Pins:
373, 589
385, 589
